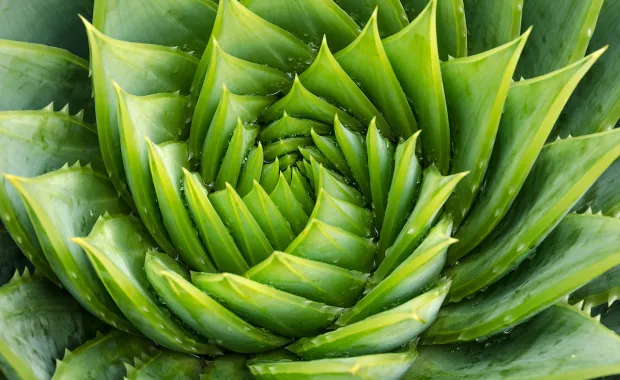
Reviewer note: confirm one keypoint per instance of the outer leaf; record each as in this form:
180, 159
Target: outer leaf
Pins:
567, 259
34, 143
611, 319
246, 231
603, 195
34, 75
288, 203
603, 289
547, 196
251, 171
47, 22
559, 343
264, 306
63, 204
116, 247
28, 346
214, 234
567, 30
184, 23
242, 140
167, 162
366, 63
531, 108
231, 109
491, 23
409, 279
290, 126
381, 168
161, 118
139, 69
414, 56
166, 365
202, 313
433, 194
477, 88
11, 258
241, 78
323, 242
392, 16
316, 281
235, 25
380, 366
380, 333
101, 358
309, 20
229, 366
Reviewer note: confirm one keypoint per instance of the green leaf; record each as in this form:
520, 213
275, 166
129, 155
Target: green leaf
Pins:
348, 216
561, 175
303, 193
251, 170
290, 126
11, 258
225, 367
611, 319
313, 154
379, 333
559, 343
331, 150
603, 195
414, 56
63, 204
235, 25
381, 168
167, 161
476, 89
35, 75
214, 234
270, 175
139, 69
595, 105
353, 147
159, 117
116, 247
285, 146
240, 143
409, 279
604, 289
269, 218
230, 111
202, 313
491, 23
166, 365
237, 76
246, 231
567, 259
288, 204
101, 358
34, 143
531, 109
309, 20
328, 181
283, 313
433, 194
183, 23
288, 160
314, 280
47, 22
380, 366
366, 63
401, 197
392, 16
563, 38
302, 103
29, 306
330, 244
327, 79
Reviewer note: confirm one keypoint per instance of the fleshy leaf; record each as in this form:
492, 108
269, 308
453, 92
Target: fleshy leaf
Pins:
603, 195
392, 16
202, 313
167, 161
116, 247
34, 143
290, 126
379, 366
560, 342
251, 170
11, 258
302, 191
288, 204
381, 168
29, 306
567, 259
342, 214
229, 366
66, 203
240, 143
476, 89
491, 23
330, 149
353, 148
270, 175
262, 305
285, 146
215, 236
561, 175
139, 69
101, 358
379, 333
328, 181
166, 365
531, 108
316, 281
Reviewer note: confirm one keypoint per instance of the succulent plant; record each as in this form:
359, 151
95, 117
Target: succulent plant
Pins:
309, 189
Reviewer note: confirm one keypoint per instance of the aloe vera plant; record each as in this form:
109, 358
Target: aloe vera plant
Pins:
309, 189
